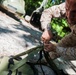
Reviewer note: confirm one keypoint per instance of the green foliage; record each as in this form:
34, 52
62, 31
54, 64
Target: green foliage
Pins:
49, 4
1, 1
60, 27
53, 2
31, 5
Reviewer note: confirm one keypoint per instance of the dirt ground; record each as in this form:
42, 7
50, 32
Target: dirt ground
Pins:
16, 37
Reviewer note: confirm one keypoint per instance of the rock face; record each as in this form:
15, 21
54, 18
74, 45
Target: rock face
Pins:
16, 37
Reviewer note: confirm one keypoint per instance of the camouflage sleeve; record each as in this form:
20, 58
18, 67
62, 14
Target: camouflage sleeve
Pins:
67, 46
67, 52
48, 14
70, 39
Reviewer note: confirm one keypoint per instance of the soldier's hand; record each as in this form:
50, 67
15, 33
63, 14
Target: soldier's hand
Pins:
49, 47
46, 36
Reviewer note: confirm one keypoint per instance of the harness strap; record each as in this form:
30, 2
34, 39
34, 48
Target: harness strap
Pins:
11, 62
32, 66
40, 56
39, 60
52, 64
10, 72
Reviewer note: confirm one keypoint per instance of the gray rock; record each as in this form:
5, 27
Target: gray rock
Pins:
16, 37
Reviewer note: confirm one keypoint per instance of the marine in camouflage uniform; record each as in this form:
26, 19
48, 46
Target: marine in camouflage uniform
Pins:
67, 46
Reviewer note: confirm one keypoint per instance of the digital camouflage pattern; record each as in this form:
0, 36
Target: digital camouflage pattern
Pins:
67, 46
48, 14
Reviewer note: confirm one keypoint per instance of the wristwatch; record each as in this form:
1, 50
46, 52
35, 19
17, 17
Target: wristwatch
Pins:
48, 27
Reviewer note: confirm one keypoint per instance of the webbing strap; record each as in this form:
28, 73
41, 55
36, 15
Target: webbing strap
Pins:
52, 64
32, 66
15, 67
18, 65
11, 62
10, 72
40, 56
39, 60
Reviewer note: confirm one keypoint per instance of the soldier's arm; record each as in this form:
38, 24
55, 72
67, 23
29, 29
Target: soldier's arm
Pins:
67, 46
67, 52
48, 14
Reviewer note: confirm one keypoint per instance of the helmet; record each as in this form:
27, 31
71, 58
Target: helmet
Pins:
16, 5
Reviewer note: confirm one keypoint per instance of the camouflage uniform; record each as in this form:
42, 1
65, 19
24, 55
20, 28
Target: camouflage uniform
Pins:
48, 14
67, 46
